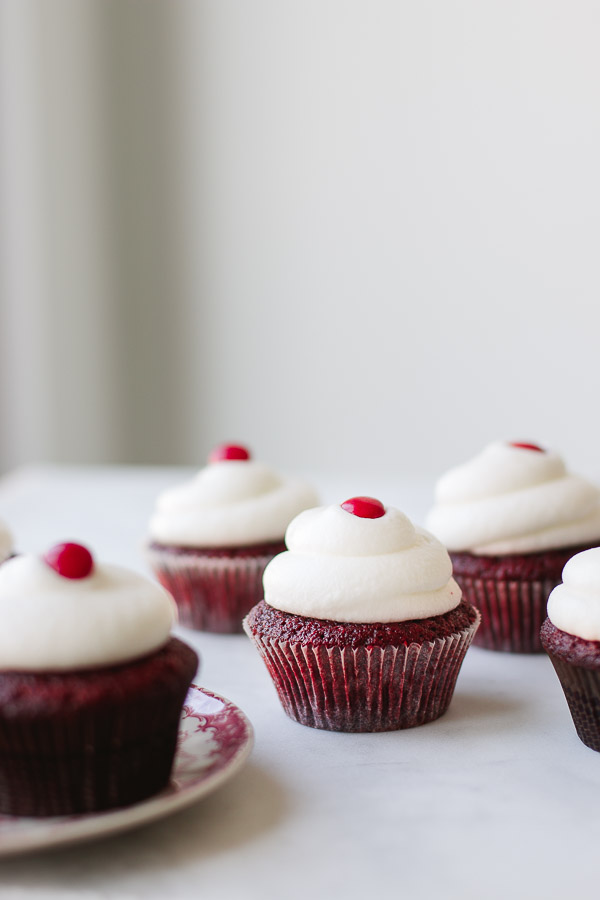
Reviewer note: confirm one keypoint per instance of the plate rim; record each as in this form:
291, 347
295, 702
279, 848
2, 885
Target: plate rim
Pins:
89, 826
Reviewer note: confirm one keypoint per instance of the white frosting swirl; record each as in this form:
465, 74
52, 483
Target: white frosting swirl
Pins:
342, 567
51, 623
574, 605
6, 542
229, 503
514, 500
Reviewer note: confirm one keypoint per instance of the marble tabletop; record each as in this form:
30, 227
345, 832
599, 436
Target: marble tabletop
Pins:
497, 799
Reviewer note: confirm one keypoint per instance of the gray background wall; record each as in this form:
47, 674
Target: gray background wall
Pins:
356, 235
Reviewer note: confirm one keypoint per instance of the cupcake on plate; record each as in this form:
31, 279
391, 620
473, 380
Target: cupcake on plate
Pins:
571, 638
91, 684
211, 538
362, 627
511, 518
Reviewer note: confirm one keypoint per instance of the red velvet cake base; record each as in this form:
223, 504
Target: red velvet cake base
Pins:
94, 739
511, 593
214, 588
577, 664
362, 677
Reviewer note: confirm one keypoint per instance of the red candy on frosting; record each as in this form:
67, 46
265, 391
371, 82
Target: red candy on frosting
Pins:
526, 446
364, 507
70, 560
228, 451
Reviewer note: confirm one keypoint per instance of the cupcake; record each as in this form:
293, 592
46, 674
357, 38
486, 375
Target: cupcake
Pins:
362, 627
211, 538
91, 685
571, 638
511, 518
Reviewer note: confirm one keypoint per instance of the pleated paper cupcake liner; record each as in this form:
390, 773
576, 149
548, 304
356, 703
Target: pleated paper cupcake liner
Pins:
582, 692
38, 778
366, 688
213, 593
512, 612
78, 743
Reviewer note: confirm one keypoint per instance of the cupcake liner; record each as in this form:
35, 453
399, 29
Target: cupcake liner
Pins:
83, 765
511, 593
367, 688
577, 664
212, 592
512, 612
86, 742
582, 692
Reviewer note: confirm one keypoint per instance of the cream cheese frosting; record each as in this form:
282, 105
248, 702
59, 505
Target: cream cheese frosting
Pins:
346, 568
574, 605
229, 503
52, 623
512, 499
6, 542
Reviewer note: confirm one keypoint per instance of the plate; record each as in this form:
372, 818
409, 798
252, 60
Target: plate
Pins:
215, 739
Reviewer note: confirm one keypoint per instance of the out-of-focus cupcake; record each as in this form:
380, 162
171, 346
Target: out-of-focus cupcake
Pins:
571, 638
511, 518
91, 684
6, 542
211, 538
362, 627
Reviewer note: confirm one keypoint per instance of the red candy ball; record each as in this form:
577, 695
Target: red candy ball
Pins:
364, 507
228, 451
70, 560
525, 446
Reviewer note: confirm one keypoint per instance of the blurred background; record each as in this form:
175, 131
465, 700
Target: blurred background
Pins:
357, 235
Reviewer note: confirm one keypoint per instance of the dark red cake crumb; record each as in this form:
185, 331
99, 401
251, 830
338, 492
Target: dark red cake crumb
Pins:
521, 567
35, 695
271, 548
572, 649
273, 623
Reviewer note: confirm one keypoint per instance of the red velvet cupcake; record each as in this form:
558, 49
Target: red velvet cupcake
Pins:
511, 518
210, 539
91, 685
362, 627
571, 638
511, 593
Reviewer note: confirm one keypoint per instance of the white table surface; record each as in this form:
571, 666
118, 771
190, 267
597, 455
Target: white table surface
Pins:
498, 799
